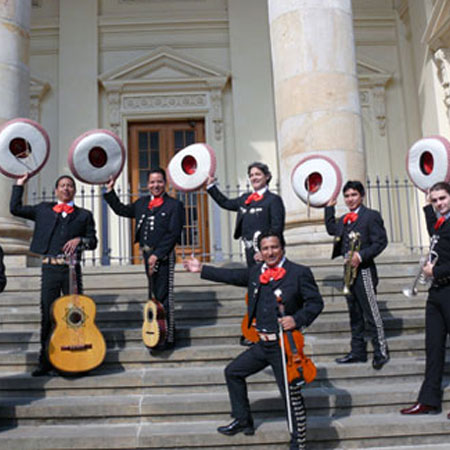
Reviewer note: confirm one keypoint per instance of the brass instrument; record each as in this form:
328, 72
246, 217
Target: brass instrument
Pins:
421, 278
351, 272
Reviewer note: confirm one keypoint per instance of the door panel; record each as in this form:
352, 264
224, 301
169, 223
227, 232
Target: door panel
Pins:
152, 145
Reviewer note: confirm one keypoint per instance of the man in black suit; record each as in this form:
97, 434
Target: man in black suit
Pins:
61, 229
257, 212
437, 315
361, 301
2, 272
276, 277
159, 223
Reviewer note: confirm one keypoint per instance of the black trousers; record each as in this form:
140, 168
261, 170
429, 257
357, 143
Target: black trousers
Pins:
437, 327
160, 285
55, 282
365, 315
249, 256
253, 360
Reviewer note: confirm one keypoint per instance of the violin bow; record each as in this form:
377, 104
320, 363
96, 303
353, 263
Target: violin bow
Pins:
283, 360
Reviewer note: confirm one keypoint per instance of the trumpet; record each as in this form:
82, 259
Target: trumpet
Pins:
421, 278
349, 271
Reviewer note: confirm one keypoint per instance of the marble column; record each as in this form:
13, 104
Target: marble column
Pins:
316, 98
14, 95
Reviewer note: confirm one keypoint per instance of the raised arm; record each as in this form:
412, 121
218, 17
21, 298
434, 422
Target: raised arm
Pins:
232, 204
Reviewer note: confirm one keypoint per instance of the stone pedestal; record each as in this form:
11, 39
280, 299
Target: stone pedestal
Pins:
14, 95
316, 98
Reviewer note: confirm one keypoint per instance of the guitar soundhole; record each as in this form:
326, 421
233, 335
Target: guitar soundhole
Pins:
75, 318
149, 315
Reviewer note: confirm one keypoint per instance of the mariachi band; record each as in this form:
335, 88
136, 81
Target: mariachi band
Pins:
283, 297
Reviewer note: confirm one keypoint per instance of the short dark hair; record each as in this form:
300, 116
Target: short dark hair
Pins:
271, 233
441, 185
159, 170
264, 168
356, 185
65, 176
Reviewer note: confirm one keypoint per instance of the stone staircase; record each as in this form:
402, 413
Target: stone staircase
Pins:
177, 399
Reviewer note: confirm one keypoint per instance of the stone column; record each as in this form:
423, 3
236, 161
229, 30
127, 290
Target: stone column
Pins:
316, 98
14, 95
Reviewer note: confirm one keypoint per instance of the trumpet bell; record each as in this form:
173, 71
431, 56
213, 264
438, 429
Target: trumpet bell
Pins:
410, 292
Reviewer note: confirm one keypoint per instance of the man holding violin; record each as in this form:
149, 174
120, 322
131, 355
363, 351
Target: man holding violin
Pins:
276, 277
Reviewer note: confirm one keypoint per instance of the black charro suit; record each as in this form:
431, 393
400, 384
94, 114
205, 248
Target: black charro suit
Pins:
437, 313
362, 302
254, 218
157, 231
2, 272
302, 300
50, 233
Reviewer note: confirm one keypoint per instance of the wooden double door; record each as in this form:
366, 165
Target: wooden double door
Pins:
151, 146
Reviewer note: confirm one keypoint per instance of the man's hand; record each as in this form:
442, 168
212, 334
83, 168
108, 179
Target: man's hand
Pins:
23, 179
356, 260
332, 202
288, 323
110, 184
192, 265
210, 180
70, 246
152, 260
258, 257
427, 269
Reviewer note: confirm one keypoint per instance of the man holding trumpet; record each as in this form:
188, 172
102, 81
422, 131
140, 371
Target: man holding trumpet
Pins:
366, 226
437, 313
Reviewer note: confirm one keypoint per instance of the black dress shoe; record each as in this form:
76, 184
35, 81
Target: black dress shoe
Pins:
245, 342
41, 371
420, 408
379, 361
350, 358
237, 427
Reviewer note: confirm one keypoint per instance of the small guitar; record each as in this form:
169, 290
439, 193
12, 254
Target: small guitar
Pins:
76, 344
154, 326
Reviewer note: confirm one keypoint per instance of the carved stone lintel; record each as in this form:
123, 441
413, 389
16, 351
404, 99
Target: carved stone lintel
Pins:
442, 60
165, 102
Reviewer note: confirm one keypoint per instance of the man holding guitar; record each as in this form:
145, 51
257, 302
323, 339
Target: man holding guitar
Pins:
276, 277
159, 222
61, 229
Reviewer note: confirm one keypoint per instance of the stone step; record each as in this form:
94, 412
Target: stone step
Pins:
322, 349
364, 431
334, 400
153, 380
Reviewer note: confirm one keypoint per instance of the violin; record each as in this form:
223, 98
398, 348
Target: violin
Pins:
299, 367
249, 333
76, 344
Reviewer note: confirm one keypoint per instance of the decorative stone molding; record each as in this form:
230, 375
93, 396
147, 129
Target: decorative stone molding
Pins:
165, 83
442, 60
38, 89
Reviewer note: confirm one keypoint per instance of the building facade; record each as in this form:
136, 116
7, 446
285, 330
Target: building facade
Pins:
270, 80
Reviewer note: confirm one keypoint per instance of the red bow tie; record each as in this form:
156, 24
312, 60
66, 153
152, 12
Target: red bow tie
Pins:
63, 207
255, 197
439, 223
155, 202
272, 273
350, 218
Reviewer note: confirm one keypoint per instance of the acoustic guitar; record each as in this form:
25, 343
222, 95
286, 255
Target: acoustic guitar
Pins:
154, 325
76, 344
